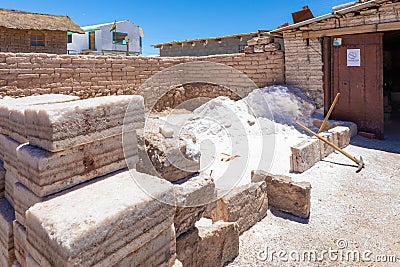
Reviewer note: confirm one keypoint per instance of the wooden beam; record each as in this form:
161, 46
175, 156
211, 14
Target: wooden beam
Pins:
340, 31
390, 26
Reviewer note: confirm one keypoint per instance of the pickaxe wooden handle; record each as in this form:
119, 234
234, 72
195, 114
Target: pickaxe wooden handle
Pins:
329, 113
360, 162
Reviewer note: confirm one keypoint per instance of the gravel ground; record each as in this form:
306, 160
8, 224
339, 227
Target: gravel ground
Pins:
356, 213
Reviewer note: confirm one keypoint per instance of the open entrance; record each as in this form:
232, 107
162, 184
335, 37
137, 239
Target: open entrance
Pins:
391, 89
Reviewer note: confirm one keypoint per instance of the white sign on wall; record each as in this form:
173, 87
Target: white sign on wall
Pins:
353, 58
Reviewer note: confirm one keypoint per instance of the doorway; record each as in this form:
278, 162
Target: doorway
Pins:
91, 41
355, 69
391, 88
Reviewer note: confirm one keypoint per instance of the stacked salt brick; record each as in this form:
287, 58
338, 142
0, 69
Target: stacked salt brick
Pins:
12, 124
112, 222
71, 144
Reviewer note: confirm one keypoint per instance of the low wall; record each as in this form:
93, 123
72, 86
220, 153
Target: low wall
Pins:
23, 74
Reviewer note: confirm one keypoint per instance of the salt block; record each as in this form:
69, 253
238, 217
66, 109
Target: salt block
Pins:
343, 135
16, 264
326, 149
165, 157
55, 127
45, 172
5, 260
25, 198
2, 179
246, 205
15, 125
218, 244
19, 243
186, 247
305, 155
286, 194
9, 146
6, 231
161, 251
11, 179
333, 123
99, 224
30, 262
192, 198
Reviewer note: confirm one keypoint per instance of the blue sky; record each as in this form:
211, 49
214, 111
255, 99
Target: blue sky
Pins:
165, 21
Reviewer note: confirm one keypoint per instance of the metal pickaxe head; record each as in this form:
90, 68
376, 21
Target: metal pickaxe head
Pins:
361, 164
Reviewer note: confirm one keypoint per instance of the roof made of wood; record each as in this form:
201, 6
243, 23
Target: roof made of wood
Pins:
22, 20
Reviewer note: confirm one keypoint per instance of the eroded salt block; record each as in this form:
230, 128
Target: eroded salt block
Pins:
45, 172
101, 223
59, 126
6, 231
246, 205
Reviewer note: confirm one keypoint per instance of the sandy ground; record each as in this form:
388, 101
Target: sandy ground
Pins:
351, 214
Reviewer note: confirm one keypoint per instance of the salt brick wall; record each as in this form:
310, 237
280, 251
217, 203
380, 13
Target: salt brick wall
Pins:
12, 40
304, 67
25, 74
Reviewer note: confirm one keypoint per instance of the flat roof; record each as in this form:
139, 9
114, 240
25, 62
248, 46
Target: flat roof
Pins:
211, 38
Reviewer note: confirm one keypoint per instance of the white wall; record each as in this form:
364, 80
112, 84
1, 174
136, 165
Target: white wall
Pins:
103, 38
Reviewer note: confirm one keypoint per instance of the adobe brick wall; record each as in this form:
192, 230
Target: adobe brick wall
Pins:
304, 67
303, 64
12, 40
25, 74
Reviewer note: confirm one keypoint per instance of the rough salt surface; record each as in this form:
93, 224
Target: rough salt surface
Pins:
55, 127
236, 137
100, 223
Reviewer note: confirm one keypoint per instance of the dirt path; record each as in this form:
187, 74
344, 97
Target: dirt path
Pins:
351, 214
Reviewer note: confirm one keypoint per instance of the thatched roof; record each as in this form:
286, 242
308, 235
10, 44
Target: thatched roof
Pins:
22, 20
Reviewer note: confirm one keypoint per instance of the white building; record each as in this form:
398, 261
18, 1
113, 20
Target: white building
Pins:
98, 39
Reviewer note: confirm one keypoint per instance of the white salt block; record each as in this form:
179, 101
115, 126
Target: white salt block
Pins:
99, 224
55, 127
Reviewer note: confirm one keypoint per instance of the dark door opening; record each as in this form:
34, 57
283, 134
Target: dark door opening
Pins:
91, 41
391, 88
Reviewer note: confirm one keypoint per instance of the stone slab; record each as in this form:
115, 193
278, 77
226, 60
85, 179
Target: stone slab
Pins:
13, 117
186, 247
192, 199
45, 173
161, 251
7, 106
246, 205
2, 179
343, 135
286, 194
164, 157
333, 123
104, 221
305, 155
55, 127
6, 230
25, 198
218, 244
19, 243
326, 149
11, 179
30, 262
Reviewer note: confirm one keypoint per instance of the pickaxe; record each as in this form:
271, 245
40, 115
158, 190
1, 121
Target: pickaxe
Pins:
359, 162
